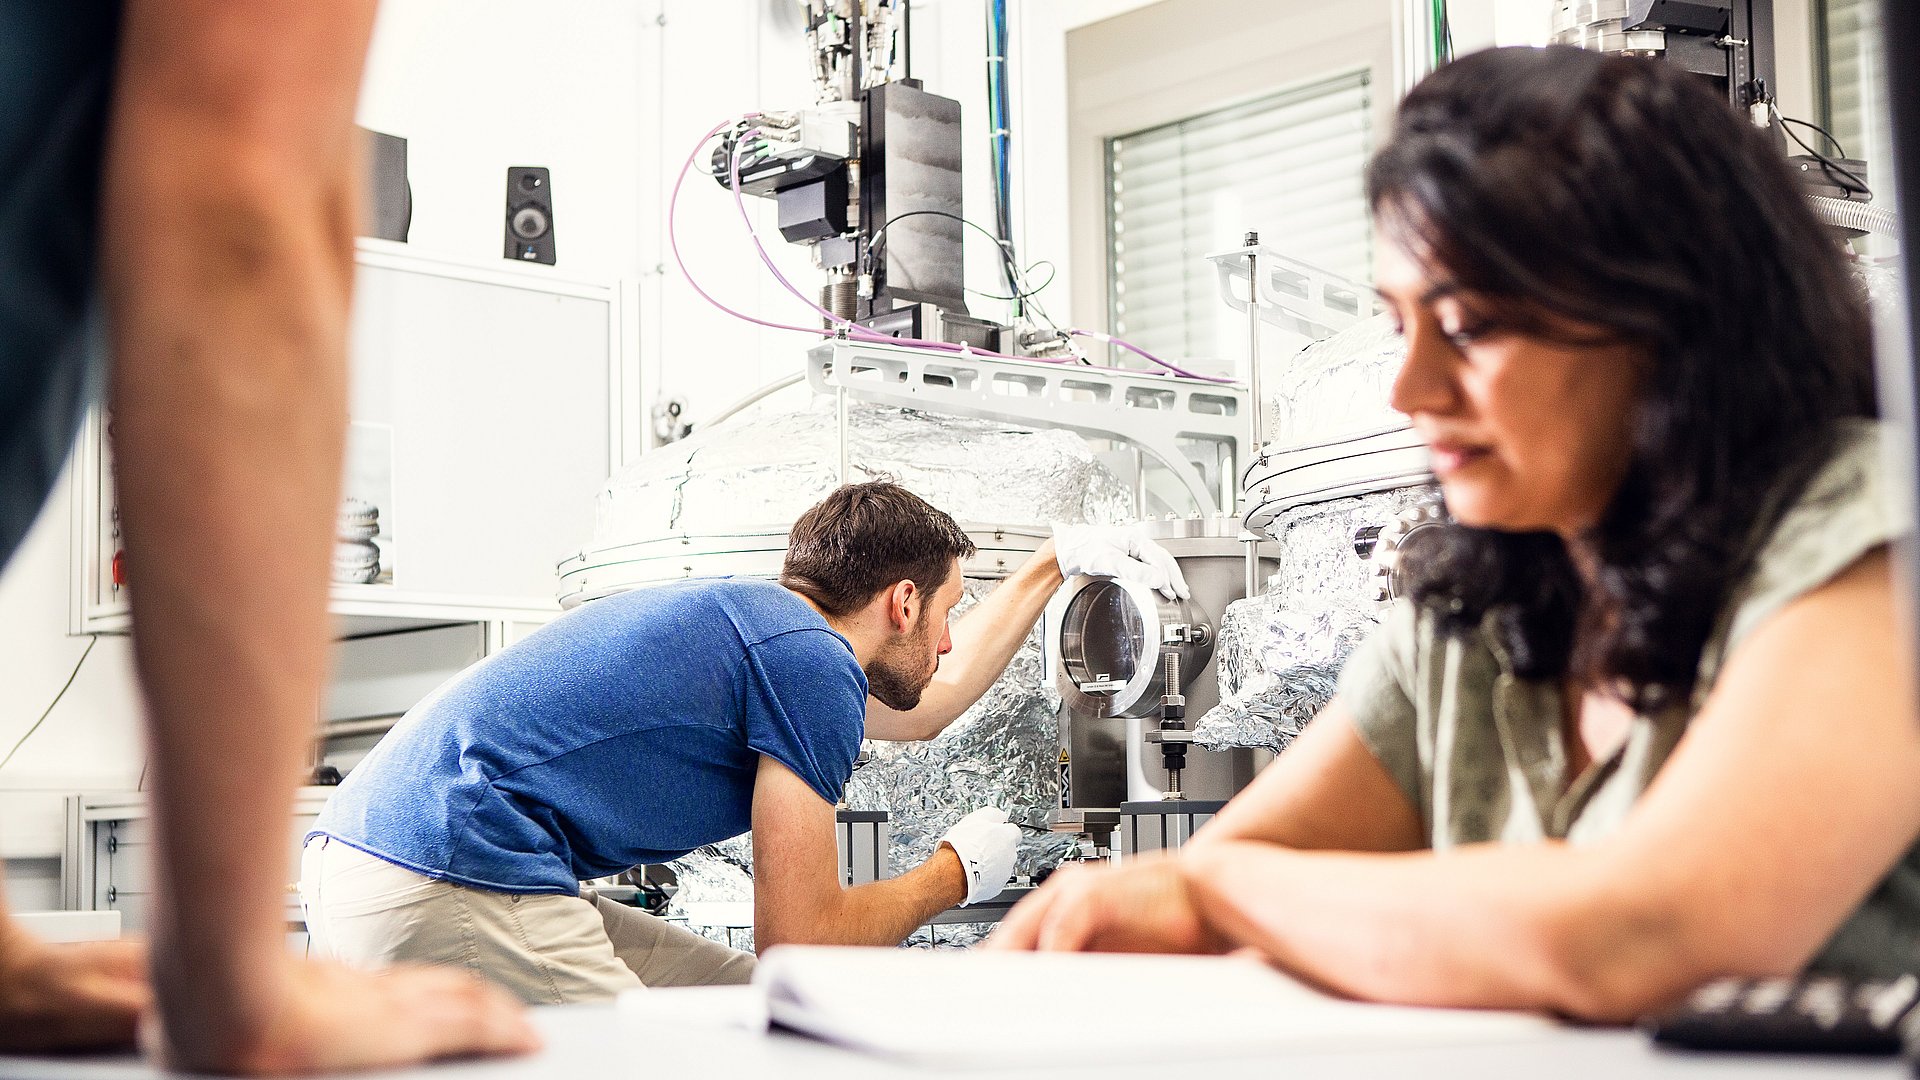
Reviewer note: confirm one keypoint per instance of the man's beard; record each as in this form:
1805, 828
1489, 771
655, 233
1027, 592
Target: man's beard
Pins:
900, 674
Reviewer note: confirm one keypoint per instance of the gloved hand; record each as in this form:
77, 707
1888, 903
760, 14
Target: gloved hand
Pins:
1119, 551
986, 845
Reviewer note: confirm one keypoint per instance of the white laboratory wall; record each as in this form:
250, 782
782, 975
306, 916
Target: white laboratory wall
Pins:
475, 86
706, 64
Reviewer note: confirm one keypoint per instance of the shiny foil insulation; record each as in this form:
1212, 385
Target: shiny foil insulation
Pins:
765, 470
1281, 652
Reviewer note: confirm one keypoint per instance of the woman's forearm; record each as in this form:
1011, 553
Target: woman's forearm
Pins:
1540, 926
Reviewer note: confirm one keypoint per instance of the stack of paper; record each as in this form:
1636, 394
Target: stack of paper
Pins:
991, 1007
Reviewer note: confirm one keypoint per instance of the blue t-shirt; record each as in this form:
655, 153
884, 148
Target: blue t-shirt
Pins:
56, 79
627, 731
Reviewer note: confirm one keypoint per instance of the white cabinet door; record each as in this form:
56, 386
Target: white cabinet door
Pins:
486, 410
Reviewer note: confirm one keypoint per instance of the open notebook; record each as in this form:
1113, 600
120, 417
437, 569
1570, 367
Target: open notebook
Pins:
990, 1008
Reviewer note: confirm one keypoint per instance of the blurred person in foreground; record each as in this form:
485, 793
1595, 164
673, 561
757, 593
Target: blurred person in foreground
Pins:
178, 198
1647, 717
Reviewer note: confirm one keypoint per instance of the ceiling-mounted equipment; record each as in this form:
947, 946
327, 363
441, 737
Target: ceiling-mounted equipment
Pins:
1727, 41
1731, 43
868, 179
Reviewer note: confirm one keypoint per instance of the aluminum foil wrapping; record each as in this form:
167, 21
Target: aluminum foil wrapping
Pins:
1003, 751
1281, 652
722, 871
1881, 281
1335, 387
764, 471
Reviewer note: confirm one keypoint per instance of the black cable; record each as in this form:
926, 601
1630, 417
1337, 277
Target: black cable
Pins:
1052, 272
1827, 164
74, 674
877, 244
1824, 133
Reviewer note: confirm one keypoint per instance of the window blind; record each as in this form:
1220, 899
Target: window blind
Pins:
1852, 78
1288, 165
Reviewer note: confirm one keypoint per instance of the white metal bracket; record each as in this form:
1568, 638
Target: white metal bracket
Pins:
1298, 298
1283, 478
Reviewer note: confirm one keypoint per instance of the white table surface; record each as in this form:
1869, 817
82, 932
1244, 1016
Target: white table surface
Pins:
585, 1041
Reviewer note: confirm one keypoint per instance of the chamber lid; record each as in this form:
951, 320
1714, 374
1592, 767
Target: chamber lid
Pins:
1103, 639
1106, 639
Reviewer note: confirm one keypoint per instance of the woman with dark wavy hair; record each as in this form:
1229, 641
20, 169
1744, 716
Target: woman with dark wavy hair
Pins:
1646, 718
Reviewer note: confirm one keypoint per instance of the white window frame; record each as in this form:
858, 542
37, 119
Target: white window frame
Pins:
1862, 129
1162, 63
1201, 336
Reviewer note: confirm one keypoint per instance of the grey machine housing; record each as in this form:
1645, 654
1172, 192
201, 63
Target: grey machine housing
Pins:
1106, 641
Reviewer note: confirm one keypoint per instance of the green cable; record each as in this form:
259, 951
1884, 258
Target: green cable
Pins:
1437, 13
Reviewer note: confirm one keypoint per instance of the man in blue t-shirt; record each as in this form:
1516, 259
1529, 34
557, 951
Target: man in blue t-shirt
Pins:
651, 723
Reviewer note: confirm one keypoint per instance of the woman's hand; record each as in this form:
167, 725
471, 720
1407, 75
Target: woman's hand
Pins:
87, 995
1142, 906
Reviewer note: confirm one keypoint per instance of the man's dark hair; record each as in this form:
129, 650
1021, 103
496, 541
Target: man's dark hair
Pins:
1621, 193
865, 537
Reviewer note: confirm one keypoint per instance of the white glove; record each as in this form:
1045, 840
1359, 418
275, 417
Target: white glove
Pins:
1119, 551
986, 845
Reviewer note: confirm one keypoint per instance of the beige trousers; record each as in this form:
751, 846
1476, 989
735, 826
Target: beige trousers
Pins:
545, 948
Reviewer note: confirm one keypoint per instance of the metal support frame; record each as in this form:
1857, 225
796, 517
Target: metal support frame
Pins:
1751, 64
1152, 412
1257, 414
1296, 297
1307, 304
1283, 478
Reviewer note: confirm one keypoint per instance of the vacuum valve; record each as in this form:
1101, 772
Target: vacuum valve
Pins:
1173, 735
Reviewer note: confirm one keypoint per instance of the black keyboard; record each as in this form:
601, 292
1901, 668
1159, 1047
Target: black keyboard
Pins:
1810, 1014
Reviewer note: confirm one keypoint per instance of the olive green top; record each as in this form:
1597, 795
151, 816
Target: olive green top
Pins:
1480, 752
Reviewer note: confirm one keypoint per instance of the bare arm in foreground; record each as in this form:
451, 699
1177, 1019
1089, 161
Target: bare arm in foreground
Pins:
1760, 835
227, 264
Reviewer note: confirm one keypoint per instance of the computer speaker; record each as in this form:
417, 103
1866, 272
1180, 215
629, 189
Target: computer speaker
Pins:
529, 214
386, 208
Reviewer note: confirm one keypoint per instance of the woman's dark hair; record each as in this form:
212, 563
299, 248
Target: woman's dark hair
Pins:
863, 538
1621, 192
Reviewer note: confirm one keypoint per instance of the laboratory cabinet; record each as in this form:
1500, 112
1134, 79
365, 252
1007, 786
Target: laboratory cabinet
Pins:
106, 858
106, 861
488, 405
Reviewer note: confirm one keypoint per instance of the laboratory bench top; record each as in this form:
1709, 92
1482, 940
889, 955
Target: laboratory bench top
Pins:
588, 1040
